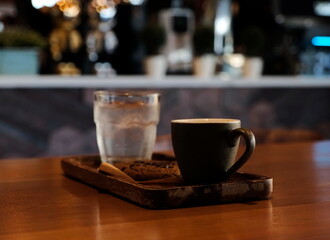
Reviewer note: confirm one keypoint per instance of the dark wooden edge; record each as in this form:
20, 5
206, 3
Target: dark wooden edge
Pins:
253, 187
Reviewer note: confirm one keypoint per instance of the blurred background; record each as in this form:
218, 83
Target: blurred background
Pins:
85, 36
207, 38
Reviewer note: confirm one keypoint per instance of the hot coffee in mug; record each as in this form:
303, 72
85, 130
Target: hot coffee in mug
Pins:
206, 148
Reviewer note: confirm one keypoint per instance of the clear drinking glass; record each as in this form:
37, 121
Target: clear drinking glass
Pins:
126, 124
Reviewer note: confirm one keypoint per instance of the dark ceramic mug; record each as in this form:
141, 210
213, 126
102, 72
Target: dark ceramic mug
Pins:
206, 148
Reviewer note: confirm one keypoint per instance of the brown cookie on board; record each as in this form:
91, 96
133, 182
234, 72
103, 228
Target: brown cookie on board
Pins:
149, 170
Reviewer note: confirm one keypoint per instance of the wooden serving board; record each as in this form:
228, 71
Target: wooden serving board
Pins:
239, 188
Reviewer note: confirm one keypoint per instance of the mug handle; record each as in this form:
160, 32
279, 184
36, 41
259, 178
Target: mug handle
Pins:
249, 148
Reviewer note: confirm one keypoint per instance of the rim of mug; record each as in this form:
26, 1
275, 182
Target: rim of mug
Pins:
108, 96
205, 120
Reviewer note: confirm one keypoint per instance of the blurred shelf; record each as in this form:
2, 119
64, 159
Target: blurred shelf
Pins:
144, 82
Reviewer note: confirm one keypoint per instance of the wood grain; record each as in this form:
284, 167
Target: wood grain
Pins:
38, 202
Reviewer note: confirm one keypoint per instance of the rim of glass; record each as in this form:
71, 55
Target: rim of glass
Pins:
206, 120
106, 96
126, 93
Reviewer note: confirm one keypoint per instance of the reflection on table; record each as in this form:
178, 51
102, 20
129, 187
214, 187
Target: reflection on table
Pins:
38, 201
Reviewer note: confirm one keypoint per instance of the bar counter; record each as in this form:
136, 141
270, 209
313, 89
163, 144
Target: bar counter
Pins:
38, 202
145, 82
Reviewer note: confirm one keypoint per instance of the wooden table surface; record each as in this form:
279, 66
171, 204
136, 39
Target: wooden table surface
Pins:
38, 202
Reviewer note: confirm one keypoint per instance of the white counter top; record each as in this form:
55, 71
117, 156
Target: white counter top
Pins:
143, 82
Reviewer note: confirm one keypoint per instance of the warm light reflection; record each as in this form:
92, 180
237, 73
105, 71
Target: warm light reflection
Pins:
70, 8
100, 5
103, 5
